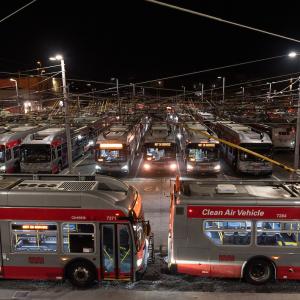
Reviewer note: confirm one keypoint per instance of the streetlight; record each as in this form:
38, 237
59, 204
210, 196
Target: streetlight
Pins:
67, 123
117, 87
223, 88
297, 147
243, 92
17, 89
183, 92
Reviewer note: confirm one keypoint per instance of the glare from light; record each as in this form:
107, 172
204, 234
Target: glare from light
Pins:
12, 79
189, 167
173, 167
125, 167
179, 136
292, 54
147, 167
217, 167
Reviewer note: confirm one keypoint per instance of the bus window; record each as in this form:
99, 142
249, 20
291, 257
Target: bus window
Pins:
34, 237
2, 154
280, 234
228, 232
111, 155
8, 154
16, 151
125, 256
78, 238
108, 249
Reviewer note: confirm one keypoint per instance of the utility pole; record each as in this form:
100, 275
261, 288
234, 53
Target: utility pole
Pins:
297, 146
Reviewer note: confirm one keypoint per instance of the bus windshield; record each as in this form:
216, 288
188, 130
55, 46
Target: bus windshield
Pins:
35, 153
266, 151
108, 155
202, 154
157, 153
2, 154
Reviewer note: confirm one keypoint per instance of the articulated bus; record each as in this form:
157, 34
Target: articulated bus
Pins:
283, 135
200, 153
235, 229
46, 151
246, 137
10, 141
82, 231
117, 147
160, 148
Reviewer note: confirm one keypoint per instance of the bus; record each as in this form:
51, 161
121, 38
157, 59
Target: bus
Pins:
117, 146
245, 136
46, 151
10, 141
283, 135
200, 153
235, 229
82, 231
160, 148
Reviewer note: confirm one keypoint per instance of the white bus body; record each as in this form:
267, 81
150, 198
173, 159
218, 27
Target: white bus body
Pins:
241, 229
246, 137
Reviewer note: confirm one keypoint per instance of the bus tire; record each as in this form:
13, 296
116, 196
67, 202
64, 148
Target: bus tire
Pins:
81, 274
259, 271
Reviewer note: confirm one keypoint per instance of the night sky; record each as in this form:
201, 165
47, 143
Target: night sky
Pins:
136, 40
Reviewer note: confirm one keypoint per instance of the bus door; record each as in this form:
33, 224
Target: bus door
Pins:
116, 252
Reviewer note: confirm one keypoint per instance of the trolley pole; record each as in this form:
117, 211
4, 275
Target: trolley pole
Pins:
297, 146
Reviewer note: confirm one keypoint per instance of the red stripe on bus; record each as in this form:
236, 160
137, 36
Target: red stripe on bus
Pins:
39, 273
230, 271
60, 214
288, 272
243, 212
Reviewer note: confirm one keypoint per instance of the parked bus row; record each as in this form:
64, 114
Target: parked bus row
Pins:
229, 229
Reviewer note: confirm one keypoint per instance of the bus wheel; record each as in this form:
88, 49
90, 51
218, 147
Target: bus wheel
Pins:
258, 271
81, 274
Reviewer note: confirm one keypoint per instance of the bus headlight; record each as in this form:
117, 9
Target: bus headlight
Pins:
173, 167
97, 167
91, 143
124, 168
217, 167
189, 167
2, 168
147, 167
139, 262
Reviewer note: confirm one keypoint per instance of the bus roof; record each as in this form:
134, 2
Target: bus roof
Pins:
239, 192
105, 193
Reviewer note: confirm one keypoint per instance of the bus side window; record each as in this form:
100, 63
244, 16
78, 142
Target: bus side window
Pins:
8, 154
53, 154
59, 151
16, 151
78, 238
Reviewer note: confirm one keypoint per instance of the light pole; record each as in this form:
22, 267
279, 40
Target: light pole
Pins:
118, 97
223, 88
17, 90
297, 141
202, 91
183, 92
67, 123
243, 92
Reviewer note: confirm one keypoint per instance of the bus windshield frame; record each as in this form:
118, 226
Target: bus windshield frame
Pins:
203, 152
160, 151
35, 153
263, 149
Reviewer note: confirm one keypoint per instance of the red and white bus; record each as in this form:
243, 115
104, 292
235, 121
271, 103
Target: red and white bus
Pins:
236, 229
46, 151
160, 149
10, 141
82, 231
117, 146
